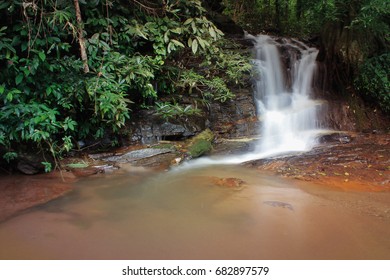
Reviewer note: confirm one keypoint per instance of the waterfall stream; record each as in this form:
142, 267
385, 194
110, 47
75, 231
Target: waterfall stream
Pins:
287, 112
283, 96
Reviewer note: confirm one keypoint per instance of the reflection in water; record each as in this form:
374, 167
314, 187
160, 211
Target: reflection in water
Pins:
184, 214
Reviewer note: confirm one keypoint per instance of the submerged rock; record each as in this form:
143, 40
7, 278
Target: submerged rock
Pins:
279, 204
231, 183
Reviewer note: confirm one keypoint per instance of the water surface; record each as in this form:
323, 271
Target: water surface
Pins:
184, 214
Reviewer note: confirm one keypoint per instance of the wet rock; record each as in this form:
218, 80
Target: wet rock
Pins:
335, 137
160, 161
200, 144
20, 192
137, 155
199, 148
361, 164
234, 146
86, 172
236, 118
231, 183
31, 164
279, 204
150, 128
29, 168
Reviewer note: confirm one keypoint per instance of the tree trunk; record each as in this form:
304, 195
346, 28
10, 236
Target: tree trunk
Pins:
80, 31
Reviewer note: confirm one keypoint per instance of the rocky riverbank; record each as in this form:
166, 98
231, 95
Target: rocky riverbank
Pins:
354, 162
347, 162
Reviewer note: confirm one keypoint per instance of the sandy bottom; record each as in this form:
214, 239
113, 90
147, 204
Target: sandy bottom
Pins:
186, 215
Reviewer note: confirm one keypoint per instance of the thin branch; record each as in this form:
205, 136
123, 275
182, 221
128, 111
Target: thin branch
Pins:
148, 7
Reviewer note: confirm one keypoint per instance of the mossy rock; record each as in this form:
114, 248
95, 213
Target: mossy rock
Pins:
200, 144
199, 148
206, 134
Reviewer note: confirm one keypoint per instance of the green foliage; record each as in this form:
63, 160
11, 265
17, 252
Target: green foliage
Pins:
373, 80
48, 166
373, 17
175, 111
137, 52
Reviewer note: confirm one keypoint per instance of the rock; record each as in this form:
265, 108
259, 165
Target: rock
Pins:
232, 183
206, 134
31, 164
19, 192
236, 118
29, 168
150, 128
199, 148
335, 137
137, 155
279, 204
201, 144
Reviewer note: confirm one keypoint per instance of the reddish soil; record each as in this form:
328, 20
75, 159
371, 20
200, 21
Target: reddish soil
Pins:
19, 192
363, 164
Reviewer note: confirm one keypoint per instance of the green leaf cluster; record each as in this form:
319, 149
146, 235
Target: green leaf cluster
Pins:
138, 52
373, 81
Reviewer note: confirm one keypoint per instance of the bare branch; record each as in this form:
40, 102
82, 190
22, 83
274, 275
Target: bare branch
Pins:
150, 7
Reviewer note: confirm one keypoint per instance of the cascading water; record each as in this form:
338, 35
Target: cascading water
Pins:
282, 93
288, 115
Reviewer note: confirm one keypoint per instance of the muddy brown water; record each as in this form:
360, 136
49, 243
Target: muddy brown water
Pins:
185, 215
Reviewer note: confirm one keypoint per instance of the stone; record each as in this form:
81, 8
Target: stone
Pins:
31, 164
137, 155
231, 183
28, 168
199, 148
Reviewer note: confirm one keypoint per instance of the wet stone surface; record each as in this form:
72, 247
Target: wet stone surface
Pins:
348, 162
20, 192
361, 163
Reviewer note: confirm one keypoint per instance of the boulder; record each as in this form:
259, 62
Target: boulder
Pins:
31, 164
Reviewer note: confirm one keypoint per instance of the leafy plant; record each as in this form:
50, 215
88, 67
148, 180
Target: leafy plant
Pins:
373, 80
175, 111
136, 52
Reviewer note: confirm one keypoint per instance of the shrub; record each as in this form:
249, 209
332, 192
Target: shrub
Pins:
373, 81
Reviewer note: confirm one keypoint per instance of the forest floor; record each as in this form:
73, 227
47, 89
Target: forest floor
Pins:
360, 164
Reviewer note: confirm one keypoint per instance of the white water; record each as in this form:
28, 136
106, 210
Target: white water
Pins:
283, 98
288, 114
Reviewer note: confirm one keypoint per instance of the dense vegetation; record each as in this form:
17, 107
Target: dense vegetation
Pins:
354, 36
72, 70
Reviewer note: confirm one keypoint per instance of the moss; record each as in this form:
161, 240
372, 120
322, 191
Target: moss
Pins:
206, 134
199, 148
201, 143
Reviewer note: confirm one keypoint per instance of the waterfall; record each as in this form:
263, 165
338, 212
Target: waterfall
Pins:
285, 108
283, 89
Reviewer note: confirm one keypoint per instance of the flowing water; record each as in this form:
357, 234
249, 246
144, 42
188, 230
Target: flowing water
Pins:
188, 214
289, 115
283, 94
